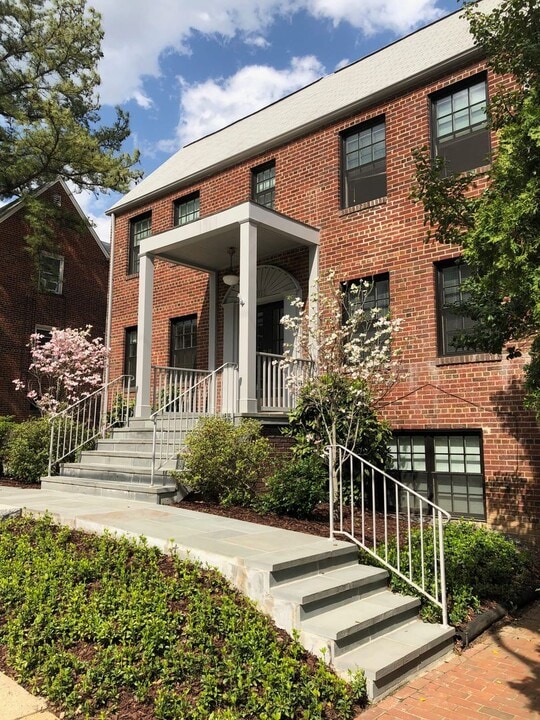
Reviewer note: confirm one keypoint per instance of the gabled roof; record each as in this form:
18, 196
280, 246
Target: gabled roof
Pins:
14, 206
406, 62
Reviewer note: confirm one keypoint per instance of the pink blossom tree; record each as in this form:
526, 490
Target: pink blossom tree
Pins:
65, 369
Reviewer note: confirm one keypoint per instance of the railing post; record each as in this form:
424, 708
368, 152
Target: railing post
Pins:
331, 460
442, 572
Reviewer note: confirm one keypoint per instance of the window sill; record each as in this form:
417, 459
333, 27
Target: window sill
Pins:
362, 206
130, 276
464, 359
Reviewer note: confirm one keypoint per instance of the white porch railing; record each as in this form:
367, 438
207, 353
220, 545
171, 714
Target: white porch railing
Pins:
402, 507
215, 392
85, 420
171, 382
276, 383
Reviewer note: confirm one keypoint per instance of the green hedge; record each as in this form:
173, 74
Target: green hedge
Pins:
481, 564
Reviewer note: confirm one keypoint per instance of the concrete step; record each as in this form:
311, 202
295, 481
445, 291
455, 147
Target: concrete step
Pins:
392, 659
112, 473
156, 494
332, 589
298, 564
129, 460
361, 620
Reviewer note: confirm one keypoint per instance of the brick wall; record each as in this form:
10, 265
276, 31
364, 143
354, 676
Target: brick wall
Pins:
83, 300
475, 392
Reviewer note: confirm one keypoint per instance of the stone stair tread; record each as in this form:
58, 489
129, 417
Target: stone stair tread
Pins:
117, 453
295, 556
387, 654
329, 583
125, 484
359, 614
100, 467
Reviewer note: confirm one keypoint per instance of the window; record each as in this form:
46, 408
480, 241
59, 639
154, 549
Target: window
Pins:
184, 342
46, 333
452, 322
130, 352
51, 273
459, 126
370, 293
444, 467
140, 228
364, 163
186, 209
264, 183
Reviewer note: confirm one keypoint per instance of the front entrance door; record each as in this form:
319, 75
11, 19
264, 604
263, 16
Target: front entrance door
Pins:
269, 328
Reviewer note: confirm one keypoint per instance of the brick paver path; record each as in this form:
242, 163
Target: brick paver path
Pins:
496, 678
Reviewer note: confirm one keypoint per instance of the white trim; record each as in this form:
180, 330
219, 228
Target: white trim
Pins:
18, 205
430, 51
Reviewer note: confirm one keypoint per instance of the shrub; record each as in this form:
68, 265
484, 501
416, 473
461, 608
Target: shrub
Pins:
296, 488
223, 462
27, 452
6, 426
334, 400
480, 565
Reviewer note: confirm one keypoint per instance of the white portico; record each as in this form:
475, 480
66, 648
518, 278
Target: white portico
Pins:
256, 233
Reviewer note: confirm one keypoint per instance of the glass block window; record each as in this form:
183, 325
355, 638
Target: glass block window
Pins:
187, 209
459, 126
364, 163
264, 184
139, 228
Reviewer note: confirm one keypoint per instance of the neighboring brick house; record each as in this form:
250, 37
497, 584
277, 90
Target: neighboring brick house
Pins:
322, 179
69, 289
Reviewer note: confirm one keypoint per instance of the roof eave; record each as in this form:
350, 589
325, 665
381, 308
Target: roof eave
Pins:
473, 53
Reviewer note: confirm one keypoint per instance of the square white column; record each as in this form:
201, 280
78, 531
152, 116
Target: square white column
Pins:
313, 290
143, 406
247, 320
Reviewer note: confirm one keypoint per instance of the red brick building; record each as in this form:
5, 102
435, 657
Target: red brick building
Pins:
69, 289
322, 179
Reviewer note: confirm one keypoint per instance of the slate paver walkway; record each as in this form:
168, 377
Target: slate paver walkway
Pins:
496, 678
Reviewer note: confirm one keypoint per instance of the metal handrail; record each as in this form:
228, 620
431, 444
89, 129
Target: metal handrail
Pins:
410, 509
197, 400
85, 420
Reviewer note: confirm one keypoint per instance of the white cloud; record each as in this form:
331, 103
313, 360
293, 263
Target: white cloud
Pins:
257, 41
213, 104
372, 16
136, 39
94, 208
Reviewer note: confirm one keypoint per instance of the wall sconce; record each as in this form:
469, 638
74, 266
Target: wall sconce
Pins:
231, 278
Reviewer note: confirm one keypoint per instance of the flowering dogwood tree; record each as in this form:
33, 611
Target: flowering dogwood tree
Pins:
353, 364
64, 369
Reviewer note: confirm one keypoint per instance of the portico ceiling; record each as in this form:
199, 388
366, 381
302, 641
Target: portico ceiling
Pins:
203, 244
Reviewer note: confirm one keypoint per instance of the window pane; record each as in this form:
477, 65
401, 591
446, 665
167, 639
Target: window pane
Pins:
477, 93
476, 506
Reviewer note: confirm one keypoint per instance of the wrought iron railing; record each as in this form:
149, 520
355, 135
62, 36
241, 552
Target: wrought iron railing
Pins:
374, 510
77, 426
277, 383
215, 392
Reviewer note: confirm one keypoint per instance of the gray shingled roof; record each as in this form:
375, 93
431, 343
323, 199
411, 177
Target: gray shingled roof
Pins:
395, 67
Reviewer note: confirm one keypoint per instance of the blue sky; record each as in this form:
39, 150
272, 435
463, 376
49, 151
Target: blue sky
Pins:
184, 69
